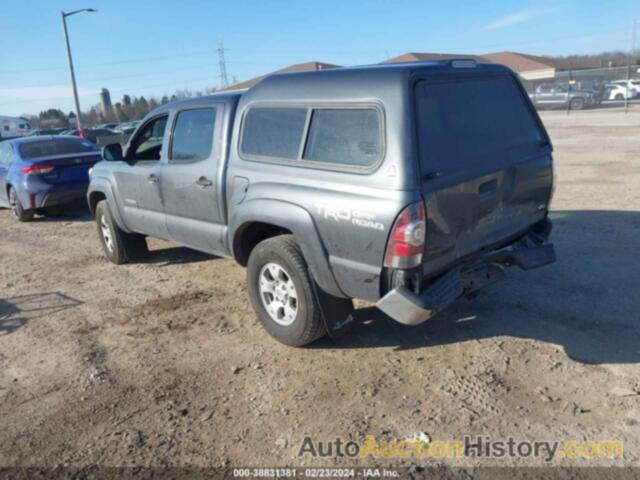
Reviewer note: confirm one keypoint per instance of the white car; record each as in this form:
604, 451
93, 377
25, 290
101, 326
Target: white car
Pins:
614, 91
634, 85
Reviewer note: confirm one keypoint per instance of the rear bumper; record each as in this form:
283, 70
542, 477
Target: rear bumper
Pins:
410, 308
62, 197
49, 195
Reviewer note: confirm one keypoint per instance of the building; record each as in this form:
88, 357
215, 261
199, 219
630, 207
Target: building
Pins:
105, 103
529, 67
299, 67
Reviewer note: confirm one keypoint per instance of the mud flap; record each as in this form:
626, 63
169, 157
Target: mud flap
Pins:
337, 313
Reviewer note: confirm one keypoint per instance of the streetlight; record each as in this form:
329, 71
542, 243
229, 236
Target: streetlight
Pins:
73, 75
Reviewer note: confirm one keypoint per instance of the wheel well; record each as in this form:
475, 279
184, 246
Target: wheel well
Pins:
251, 234
94, 198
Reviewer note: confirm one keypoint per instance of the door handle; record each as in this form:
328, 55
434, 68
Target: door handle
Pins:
204, 182
153, 178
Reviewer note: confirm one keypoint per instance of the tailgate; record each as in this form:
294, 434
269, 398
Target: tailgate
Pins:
485, 162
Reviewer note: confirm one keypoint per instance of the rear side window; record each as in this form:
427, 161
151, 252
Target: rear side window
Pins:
193, 135
273, 132
60, 146
344, 136
474, 124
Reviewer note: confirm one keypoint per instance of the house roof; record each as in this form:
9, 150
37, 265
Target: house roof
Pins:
298, 67
426, 57
520, 62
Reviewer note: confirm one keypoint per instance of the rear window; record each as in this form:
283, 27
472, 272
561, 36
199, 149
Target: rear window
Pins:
344, 136
61, 146
273, 132
471, 124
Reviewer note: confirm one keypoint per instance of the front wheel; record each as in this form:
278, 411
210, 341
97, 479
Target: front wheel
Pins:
118, 245
281, 292
577, 103
19, 212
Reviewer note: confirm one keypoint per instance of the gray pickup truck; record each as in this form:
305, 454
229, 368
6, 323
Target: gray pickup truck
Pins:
562, 95
408, 185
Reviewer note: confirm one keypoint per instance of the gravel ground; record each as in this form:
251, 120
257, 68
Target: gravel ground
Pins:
164, 362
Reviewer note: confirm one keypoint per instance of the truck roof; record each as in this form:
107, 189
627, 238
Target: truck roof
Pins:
340, 83
360, 82
216, 97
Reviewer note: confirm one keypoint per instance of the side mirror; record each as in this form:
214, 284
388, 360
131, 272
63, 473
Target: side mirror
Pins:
112, 152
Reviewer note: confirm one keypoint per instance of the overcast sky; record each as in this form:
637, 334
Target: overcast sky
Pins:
146, 47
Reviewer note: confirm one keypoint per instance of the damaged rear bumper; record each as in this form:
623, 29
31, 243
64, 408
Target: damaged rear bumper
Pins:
410, 308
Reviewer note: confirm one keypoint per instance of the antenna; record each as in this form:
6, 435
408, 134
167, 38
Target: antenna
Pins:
222, 65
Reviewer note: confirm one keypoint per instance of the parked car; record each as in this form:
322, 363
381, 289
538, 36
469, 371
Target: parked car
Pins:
559, 95
633, 85
12, 127
46, 131
91, 134
37, 173
408, 185
614, 91
128, 127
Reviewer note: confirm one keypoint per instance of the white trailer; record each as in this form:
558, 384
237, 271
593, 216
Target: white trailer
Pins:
11, 127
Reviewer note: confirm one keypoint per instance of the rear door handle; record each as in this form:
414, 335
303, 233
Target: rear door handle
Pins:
153, 178
204, 182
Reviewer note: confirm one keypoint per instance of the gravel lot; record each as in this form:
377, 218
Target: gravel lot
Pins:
164, 363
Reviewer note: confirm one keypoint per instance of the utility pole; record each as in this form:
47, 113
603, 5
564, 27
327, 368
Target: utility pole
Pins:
73, 75
222, 65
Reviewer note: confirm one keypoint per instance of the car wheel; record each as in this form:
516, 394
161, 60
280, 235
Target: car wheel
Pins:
619, 96
19, 212
577, 104
119, 246
281, 292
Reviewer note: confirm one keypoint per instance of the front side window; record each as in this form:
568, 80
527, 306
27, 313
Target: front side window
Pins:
148, 143
193, 135
273, 132
344, 136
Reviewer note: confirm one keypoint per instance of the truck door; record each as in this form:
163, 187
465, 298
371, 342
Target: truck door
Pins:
190, 187
138, 180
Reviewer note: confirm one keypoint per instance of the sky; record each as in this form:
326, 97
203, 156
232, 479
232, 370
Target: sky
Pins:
153, 47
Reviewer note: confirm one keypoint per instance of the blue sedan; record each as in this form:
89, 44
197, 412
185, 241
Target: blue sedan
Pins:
41, 172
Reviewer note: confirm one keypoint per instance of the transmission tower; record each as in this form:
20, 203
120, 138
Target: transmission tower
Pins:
222, 65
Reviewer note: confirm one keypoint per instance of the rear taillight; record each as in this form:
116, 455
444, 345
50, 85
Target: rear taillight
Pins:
33, 169
406, 243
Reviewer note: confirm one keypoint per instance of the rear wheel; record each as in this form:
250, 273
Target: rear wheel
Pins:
619, 96
577, 103
119, 246
19, 212
281, 292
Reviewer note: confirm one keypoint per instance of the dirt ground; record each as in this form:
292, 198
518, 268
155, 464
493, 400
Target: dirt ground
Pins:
164, 362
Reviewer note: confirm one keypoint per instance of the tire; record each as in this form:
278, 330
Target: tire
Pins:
619, 96
295, 323
577, 103
19, 212
119, 246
